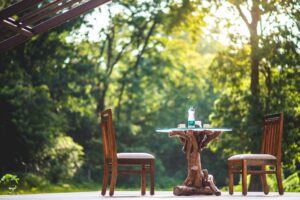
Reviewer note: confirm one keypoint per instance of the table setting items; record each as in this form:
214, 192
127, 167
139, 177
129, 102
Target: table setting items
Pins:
192, 122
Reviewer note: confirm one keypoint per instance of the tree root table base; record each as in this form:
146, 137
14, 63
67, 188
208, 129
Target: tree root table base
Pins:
186, 191
208, 187
198, 181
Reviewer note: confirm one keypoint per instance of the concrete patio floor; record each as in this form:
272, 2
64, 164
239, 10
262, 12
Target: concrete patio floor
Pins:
127, 195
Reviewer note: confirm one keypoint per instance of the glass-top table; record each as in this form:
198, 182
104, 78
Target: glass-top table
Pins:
167, 130
198, 181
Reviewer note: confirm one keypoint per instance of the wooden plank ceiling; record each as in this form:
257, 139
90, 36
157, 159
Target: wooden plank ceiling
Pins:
26, 18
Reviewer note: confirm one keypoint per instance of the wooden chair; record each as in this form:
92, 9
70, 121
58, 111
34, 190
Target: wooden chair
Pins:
112, 159
270, 156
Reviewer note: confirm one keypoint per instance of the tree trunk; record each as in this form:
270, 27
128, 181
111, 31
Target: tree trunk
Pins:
101, 100
255, 112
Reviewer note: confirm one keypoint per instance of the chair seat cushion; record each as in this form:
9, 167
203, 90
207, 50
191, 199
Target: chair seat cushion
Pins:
135, 156
252, 157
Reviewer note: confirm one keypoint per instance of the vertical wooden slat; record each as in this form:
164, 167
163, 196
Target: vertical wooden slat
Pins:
113, 138
244, 177
107, 138
263, 148
272, 131
104, 137
271, 140
267, 137
276, 133
271, 137
280, 139
276, 145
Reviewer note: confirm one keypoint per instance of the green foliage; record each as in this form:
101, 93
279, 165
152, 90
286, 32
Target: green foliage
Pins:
37, 100
30, 180
291, 183
61, 159
229, 73
10, 181
22, 128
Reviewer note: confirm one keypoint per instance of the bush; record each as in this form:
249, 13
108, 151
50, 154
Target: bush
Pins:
30, 180
291, 183
10, 182
62, 159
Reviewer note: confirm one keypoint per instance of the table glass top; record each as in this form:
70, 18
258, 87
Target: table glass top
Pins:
167, 130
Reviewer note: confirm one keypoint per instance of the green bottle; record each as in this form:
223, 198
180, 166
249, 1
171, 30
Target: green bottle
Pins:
191, 117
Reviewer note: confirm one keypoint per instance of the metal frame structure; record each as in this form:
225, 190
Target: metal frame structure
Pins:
27, 18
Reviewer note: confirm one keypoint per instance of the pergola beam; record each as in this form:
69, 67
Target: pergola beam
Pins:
50, 12
12, 25
59, 19
45, 16
41, 10
17, 7
12, 41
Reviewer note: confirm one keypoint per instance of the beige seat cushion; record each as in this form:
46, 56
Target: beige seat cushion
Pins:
135, 156
252, 157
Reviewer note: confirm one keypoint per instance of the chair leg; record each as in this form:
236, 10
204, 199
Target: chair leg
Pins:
230, 178
105, 178
244, 177
264, 181
113, 180
143, 180
152, 177
279, 179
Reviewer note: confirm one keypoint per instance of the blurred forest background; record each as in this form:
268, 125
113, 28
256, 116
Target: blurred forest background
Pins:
149, 60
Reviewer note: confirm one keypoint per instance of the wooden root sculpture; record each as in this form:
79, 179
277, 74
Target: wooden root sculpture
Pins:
198, 181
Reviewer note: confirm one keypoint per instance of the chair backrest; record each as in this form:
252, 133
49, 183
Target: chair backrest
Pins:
108, 137
272, 135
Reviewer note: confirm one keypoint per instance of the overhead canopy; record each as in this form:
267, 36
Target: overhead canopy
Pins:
26, 18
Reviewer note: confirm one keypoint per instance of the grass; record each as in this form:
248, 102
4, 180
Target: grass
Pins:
50, 188
69, 187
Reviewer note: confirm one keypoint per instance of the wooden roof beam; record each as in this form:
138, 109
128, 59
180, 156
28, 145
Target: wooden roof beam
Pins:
70, 14
24, 30
12, 25
17, 7
50, 12
36, 12
12, 41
